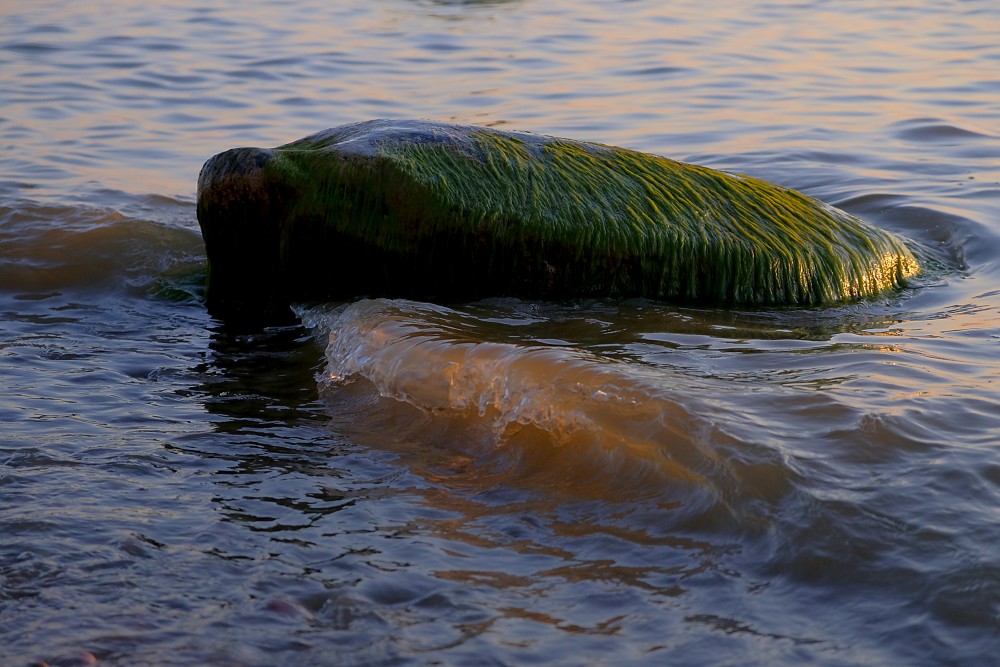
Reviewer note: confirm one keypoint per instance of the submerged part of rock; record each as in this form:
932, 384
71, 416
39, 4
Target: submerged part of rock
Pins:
438, 212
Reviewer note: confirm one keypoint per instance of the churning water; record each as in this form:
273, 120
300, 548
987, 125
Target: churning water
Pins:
500, 482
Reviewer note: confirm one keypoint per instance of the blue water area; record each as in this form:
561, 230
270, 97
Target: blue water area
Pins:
501, 482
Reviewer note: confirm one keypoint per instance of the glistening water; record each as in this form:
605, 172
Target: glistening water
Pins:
500, 482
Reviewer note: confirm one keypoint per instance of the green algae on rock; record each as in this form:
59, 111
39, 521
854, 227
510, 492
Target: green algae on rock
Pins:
436, 212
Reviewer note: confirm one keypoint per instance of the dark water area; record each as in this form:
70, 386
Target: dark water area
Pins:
503, 482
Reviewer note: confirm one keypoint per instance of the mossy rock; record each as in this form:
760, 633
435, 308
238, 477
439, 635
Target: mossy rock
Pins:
443, 212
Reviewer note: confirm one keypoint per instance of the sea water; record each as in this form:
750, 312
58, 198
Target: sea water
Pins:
503, 482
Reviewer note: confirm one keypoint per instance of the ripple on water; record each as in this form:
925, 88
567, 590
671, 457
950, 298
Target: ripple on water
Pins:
630, 482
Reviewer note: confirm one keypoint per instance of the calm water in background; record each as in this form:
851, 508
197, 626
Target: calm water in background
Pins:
502, 482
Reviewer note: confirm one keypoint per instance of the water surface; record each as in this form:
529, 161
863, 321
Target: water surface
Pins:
500, 482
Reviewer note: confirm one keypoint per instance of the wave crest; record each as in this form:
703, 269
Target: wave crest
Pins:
554, 414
